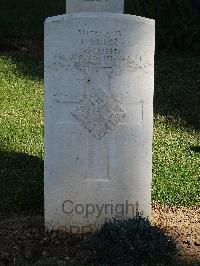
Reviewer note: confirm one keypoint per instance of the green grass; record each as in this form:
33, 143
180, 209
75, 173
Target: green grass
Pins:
176, 164
21, 132
26, 17
176, 155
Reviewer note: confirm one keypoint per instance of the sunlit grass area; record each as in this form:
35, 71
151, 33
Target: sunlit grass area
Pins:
176, 163
176, 148
21, 132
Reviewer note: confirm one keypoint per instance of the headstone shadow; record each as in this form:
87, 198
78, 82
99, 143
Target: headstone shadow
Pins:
134, 241
21, 178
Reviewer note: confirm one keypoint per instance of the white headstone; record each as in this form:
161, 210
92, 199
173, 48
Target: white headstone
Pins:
76, 6
99, 84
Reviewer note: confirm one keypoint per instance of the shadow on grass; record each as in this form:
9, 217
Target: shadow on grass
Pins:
21, 178
25, 65
195, 149
26, 17
177, 91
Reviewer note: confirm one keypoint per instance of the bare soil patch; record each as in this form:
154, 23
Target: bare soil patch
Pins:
22, 45
182, 223
23, 240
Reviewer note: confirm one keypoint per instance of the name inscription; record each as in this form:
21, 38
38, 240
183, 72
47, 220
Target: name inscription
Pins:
100, 49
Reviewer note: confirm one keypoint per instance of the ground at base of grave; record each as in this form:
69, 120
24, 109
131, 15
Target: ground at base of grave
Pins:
23, 239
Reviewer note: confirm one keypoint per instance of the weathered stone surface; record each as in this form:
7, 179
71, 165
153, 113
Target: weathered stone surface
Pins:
98, 112
99, 82
76, 6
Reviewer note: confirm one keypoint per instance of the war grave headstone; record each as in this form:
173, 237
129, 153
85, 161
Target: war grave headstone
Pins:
99, 85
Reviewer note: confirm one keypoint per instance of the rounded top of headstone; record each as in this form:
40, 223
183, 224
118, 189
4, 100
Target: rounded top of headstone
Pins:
101, 15
77, 6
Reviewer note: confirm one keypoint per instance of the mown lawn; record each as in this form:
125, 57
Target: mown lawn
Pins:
21, 132
24, 18
176, 148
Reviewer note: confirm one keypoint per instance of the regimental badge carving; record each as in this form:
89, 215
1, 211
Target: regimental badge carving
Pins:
99, 113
